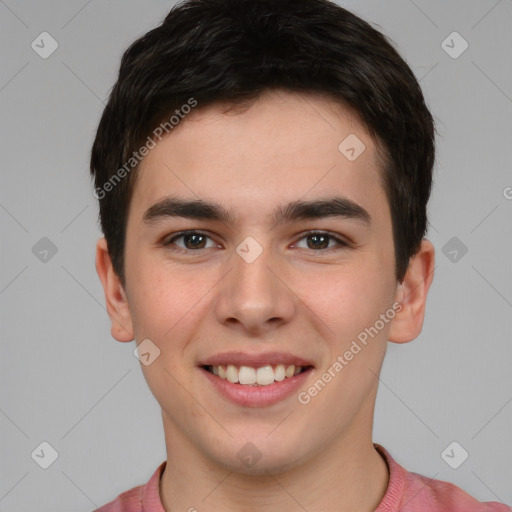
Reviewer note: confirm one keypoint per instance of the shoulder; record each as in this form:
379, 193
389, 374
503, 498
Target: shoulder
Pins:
411, 492
441, 496
140, 498
128, 501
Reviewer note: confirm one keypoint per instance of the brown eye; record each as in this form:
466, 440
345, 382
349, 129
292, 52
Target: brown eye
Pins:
318, 241
321, 241
192, 240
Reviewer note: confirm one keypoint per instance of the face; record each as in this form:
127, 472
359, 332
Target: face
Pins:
262, 277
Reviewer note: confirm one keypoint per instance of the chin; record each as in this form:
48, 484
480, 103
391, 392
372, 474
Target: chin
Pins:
259, 456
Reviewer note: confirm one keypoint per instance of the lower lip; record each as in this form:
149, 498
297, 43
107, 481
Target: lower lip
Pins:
257, 396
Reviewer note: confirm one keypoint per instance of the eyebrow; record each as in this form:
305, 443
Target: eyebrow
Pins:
198, 209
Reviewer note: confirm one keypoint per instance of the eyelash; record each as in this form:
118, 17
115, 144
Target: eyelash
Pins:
340, 243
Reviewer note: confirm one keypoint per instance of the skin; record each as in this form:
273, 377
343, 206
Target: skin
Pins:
292, 298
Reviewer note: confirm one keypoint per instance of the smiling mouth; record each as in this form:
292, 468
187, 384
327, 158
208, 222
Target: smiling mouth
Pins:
261, 376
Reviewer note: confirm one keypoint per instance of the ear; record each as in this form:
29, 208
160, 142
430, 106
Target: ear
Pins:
412, 294
115, 296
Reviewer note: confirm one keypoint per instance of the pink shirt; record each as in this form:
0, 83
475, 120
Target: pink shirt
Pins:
406, 492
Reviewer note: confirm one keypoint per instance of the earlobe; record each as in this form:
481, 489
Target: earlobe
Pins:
115, 296
412, 295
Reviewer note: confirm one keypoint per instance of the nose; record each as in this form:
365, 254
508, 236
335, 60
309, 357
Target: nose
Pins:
255, 297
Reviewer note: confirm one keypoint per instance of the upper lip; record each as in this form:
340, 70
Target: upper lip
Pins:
254, 360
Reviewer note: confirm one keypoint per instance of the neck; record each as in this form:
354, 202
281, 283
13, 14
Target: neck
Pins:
349, 476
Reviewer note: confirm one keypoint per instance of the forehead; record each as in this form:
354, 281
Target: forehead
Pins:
283, 147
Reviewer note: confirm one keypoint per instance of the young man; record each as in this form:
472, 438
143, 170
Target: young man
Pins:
263, 169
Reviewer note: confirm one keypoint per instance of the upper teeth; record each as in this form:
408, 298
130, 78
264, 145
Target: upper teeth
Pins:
262, 376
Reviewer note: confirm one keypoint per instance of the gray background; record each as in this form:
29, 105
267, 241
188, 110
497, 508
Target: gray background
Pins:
65, 381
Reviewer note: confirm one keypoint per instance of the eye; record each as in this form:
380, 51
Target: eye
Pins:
192, 240
320, 240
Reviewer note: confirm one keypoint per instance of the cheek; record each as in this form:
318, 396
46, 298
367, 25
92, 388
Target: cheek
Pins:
350, 304
166, 301
151, 300
346, 299
165, 310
